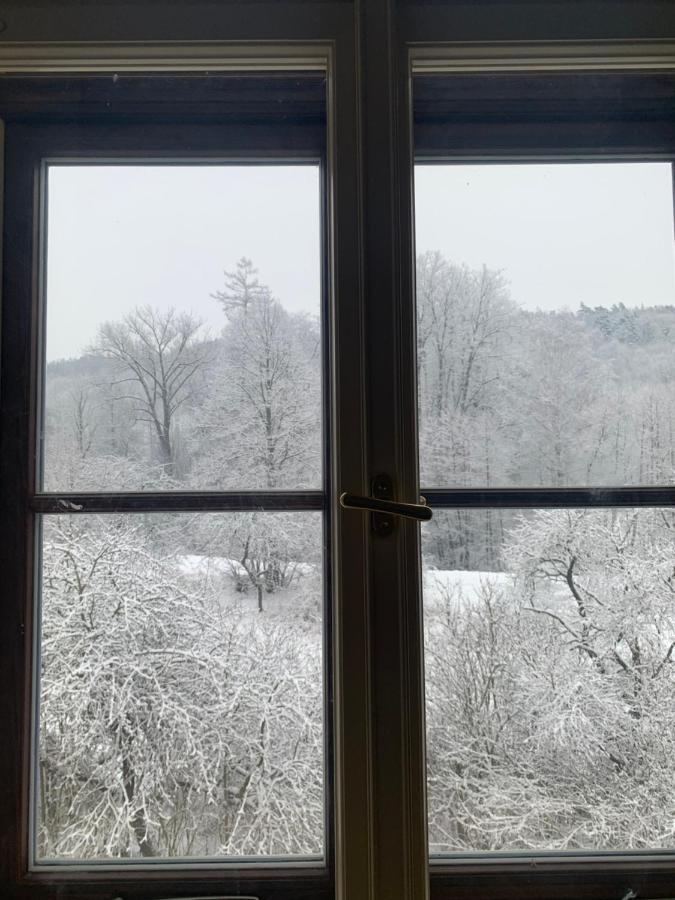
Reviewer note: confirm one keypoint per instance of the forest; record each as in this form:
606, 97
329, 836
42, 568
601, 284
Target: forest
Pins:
181, 668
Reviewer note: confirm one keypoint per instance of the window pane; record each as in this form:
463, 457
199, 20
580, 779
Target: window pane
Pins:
549, 642
181, 688
183, 346
546, 324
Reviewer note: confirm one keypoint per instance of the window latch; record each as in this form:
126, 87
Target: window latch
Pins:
384, 509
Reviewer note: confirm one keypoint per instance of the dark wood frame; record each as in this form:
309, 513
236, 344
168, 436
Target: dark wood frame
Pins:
540, 116
260, 118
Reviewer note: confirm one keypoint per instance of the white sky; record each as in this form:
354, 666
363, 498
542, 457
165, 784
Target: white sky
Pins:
122, 236
563, 234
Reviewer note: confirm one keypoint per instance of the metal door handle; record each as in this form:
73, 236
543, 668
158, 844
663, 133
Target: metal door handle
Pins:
419, 511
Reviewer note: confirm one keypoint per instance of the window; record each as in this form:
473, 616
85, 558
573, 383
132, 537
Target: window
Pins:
174, 481
544, 233
219, 682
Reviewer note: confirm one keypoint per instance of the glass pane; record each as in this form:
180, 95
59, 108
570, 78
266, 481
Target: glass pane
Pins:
546, 324
549, 643
181, 687
183, 346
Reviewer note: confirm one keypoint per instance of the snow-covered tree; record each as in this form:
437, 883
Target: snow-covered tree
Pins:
552, 396
158, 355
242, 290
171, 723
261, 426
550, 725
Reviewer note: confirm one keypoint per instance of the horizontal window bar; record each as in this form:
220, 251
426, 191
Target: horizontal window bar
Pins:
304, 866
180, 501
276, 880
562, 859
451, 498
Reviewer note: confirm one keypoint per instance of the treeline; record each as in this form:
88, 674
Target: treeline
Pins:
517, 398
507, 397
158, 402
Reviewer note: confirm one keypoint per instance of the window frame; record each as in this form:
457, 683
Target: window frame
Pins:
369, 50
459, 133
37, 134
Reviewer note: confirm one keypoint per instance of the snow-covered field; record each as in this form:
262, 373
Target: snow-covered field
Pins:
200, 566
227, 580
438, 584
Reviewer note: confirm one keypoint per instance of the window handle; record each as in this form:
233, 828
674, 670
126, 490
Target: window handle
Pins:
384, 507
419, 511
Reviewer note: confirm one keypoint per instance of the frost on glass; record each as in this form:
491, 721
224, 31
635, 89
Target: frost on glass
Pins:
546, 324
180, 697
549, 644
183, 347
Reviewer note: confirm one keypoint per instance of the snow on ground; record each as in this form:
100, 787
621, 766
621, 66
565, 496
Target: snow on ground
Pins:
438, 583
470, 582
192, 564
435, 580
301, 600
196, 565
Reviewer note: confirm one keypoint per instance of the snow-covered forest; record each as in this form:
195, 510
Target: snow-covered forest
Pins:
181, 668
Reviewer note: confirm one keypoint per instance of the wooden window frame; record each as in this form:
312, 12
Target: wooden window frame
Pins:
369, 50
584, 115
231, 118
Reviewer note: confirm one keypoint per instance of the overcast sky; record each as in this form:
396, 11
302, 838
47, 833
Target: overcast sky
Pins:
124, 236
127, 236
563, 234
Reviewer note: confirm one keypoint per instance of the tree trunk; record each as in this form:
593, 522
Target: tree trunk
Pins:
165, 451
138, 822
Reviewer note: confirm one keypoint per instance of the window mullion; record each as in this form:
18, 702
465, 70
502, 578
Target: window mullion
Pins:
399, 768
